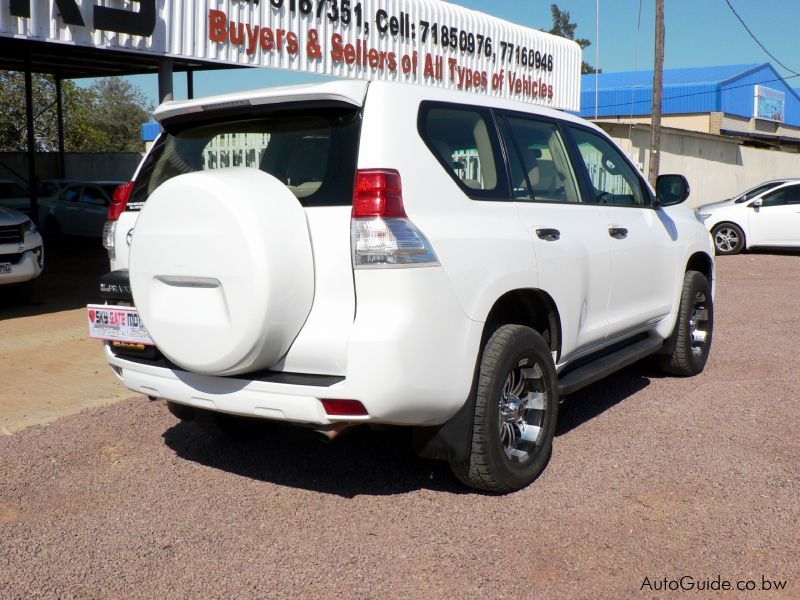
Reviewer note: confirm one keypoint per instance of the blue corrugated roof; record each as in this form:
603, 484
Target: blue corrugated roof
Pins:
728, 89
695, 75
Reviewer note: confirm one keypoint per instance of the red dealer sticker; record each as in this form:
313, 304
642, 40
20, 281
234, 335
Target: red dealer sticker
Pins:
117, 324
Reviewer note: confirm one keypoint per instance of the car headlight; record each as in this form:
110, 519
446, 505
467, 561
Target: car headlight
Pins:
29, 227
702, 216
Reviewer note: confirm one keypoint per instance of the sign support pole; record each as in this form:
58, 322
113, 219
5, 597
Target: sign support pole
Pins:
34, 197
165, 89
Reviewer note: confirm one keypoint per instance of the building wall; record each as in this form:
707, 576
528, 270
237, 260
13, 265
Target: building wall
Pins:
699, 123
716, 167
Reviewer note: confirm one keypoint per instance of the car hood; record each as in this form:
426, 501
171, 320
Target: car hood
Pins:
9, 216
720, 204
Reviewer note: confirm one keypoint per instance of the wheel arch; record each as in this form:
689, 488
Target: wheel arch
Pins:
533, 308
702, 263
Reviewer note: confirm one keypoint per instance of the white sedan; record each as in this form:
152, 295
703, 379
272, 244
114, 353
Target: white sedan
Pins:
771, 218
79, 209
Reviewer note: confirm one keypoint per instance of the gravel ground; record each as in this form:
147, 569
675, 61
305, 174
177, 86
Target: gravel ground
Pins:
651, 477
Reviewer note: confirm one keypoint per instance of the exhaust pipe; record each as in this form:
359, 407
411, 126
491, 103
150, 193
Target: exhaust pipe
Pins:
331, 432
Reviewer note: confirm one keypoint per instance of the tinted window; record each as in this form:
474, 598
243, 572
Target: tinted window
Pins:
465, 142
93, 195
545, 167
613, 179
786, 195
313, 153
755, 192
71, 193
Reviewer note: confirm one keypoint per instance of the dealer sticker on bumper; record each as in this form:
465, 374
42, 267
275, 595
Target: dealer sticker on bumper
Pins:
117, 324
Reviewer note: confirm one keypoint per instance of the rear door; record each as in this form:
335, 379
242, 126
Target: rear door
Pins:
572, 250
644, 248
66, 208
777, 221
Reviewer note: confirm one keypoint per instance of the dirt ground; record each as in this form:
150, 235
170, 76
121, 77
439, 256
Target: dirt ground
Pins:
653, 481
50, 367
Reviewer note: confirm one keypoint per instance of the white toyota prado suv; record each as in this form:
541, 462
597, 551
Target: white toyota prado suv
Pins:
375, 253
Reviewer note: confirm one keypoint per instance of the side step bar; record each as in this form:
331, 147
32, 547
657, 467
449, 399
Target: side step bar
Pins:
606, 364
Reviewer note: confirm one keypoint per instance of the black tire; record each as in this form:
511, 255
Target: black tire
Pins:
181, 411
688, 353
511, 349
728, 238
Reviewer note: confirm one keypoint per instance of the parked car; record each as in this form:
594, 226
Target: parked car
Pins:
13, 195
79, 209
21, 255
752, 192
393, 254
769, 218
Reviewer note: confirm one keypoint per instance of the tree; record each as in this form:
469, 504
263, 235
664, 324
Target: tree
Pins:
563, 27
107, 117
120, 109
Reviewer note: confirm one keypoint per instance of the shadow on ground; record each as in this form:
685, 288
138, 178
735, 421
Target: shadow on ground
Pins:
362, 461
69, 281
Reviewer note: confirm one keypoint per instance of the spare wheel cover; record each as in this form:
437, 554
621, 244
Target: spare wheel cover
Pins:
221, 270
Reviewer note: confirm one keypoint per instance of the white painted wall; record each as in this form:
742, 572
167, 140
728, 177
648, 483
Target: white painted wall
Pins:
716, 167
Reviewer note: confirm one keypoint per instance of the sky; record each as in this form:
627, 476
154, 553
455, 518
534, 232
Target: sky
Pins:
699, 33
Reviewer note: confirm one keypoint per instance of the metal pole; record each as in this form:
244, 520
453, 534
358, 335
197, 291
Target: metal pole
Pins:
34, 197
597, 61
62, 170
165, 90
190, 83
658, 88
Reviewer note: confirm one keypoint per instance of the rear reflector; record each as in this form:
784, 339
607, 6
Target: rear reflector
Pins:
120, 200
344, 408
378, 193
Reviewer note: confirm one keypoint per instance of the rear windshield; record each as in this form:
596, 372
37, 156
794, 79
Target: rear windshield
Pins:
312, 152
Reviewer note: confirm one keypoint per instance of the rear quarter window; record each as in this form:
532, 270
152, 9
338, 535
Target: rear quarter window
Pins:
464, 140
312, 152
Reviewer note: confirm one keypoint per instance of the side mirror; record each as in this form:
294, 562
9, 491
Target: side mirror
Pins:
671, 189
757, 203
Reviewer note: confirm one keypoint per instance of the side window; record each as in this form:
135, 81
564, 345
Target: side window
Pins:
540, 152
465, 142
93, 195
71, 194
786, 195
614, 181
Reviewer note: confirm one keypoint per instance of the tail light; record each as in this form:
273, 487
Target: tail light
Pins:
120, 200
382, 235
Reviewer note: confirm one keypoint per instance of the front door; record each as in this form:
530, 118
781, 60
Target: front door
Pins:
777, 221
644, 248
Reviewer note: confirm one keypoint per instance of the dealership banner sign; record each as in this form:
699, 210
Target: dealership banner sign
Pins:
425, 42
770, 105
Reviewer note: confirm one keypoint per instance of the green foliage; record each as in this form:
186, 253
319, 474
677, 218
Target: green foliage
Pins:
106, 117
564, 27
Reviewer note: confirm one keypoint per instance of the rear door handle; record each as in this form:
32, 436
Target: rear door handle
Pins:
548, 235
618, 233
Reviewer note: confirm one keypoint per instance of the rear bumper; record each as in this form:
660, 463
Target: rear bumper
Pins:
410, 361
